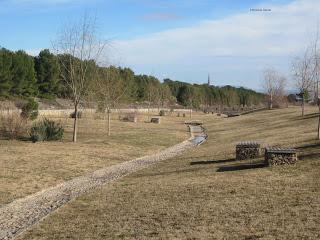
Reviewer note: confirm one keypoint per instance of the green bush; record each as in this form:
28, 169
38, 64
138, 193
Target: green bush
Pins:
46, 130
30, 110
37, 132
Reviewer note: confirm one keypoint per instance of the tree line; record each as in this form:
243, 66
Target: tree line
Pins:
41, 76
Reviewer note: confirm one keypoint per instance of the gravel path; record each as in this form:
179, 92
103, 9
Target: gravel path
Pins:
21, 214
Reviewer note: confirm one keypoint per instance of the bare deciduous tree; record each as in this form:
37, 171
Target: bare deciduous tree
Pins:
280, 94
315, 55
109, 88
274, 85
164, 95
78, 51
303, 72
152, 96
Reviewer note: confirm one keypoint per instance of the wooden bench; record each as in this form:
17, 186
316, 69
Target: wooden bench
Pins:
247, 150
280, 156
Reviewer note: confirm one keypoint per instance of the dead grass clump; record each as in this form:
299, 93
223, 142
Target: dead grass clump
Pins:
99, 116
129, 117
12, 125
7, 105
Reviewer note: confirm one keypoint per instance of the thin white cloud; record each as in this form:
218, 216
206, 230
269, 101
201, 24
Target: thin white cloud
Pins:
41, 1
281, 32
161, 16
38, 2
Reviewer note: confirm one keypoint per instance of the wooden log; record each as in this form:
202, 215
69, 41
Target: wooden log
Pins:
275, 156
247, 150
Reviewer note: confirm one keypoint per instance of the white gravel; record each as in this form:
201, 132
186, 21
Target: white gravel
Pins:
21, 214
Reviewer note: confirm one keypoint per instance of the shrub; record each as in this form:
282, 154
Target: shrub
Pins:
73, 115
162, 113
101, 108
37, 132
12, 125
46, 130
129, 117
30, 110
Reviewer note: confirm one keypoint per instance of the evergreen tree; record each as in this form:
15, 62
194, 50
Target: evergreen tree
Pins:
24, 77
5, 71
185, 95
47, 69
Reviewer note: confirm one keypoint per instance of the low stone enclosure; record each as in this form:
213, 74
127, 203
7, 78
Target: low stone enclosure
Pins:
272, 155
247, 150
156, 120
280, 156
129, 117
193, 122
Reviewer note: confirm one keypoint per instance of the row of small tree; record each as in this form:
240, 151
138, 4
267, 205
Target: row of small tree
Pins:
305, 73
306, 70
197, 96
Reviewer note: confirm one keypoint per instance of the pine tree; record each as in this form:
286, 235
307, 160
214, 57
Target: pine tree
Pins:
24, 77
5, 72
47, 70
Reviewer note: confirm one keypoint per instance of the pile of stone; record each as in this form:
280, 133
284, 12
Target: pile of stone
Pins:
247, 150
280, 156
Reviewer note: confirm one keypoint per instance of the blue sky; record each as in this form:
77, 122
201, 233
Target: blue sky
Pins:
179, 39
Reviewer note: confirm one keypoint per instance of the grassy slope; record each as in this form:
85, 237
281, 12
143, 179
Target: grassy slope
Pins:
27, 168
212, 198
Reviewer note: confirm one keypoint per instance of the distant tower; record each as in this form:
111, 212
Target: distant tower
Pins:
209, 83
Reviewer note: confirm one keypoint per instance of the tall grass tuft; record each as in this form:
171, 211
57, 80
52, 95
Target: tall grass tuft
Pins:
12, 125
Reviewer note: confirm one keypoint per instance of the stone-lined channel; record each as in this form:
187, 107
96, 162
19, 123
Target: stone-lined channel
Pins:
23, 213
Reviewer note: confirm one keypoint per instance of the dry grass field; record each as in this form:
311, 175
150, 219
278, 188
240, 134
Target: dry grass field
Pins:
206, 194
27, 167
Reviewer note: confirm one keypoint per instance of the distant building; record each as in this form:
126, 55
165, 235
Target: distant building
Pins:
209, 83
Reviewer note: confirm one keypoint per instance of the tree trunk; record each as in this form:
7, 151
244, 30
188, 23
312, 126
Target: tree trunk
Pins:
190, 112
270, 102
302, 106
149, 111
109, 122
318, 103
318, 120
75, 123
